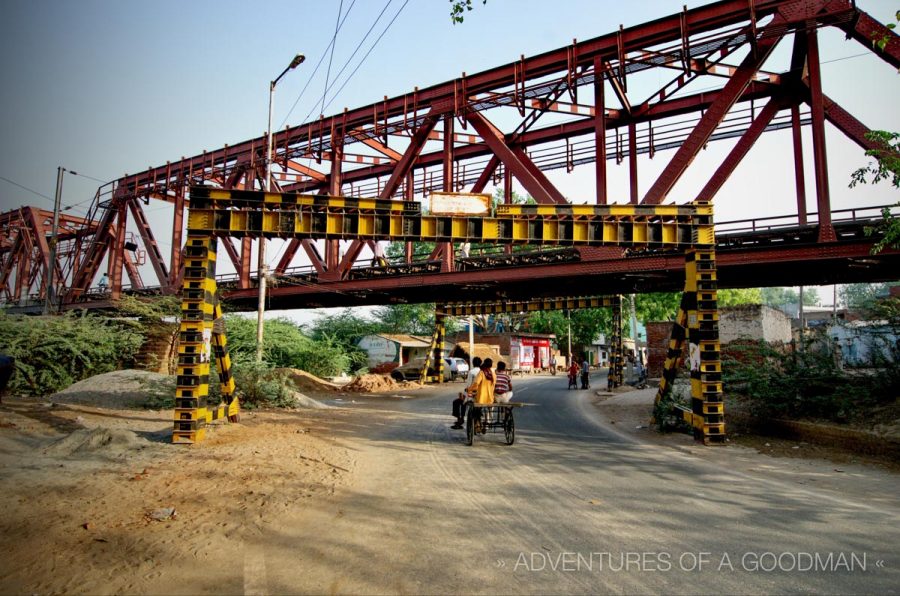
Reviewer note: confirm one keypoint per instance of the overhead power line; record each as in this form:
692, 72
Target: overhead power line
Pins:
316, 69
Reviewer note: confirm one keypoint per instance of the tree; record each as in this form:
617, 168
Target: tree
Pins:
740, 296
458, 9
885, 167
778, 297
657, 306
587, 325
344, 330
862, 297
414, 319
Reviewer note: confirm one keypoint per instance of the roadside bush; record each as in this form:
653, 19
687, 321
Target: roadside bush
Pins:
805, 383
259, 384
667, 416
53, 352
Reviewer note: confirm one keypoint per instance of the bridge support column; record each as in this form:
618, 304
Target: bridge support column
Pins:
697, 322
436, 351
201, 336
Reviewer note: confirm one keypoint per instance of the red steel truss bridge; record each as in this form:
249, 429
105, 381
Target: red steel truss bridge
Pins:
573, 107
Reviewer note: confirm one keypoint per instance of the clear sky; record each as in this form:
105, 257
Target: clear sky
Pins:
108, 87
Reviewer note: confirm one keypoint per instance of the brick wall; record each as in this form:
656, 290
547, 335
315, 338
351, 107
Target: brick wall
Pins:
657, 346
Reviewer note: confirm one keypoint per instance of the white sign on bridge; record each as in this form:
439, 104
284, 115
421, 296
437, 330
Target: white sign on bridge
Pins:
460, 203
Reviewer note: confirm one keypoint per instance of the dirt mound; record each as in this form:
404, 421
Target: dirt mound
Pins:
98, 439
306, 382
372, 384
120, 389
379, 384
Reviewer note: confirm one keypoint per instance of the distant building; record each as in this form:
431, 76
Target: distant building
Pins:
755, 322
523, 351
864, 343
385, 348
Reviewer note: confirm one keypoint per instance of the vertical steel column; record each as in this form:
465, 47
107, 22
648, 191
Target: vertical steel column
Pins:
599, 131
177, 234
632, 163
447, 252
507, 198
246, 254
616, 350
799, 177
117, 254
823, 200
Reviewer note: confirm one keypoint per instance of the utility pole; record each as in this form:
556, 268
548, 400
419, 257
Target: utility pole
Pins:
261, 268
49, 287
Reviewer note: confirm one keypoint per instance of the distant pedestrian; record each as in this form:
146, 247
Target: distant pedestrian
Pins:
585, 374
103, 283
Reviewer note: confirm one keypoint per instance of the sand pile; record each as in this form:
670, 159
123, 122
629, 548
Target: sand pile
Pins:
98, 439
307, 382
120, 389
372, 384
379, 384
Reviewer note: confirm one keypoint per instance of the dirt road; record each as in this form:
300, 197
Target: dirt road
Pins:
382, 496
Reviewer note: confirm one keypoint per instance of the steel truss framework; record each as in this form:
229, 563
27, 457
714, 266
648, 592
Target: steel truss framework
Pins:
224, 213
616, 353
567, 107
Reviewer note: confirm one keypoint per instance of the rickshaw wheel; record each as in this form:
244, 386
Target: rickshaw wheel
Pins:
509, 428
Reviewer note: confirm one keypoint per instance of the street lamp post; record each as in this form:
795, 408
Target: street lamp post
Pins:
261, 263
49, 289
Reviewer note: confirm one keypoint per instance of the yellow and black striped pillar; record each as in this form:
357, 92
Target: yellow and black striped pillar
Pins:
707, 405
195, 340
436, 351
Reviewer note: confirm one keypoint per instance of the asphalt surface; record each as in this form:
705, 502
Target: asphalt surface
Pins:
572, 507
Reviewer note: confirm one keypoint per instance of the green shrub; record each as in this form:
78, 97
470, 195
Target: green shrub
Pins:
805, 383
53, 352
285, 346
259, 384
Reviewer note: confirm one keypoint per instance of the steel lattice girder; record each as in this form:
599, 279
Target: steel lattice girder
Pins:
692, 42
573, 67
806, 263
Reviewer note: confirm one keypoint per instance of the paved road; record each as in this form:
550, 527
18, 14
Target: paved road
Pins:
572, 507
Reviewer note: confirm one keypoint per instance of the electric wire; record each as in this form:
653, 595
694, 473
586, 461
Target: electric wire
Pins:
337, 24
355, 50
316, 69
361, 62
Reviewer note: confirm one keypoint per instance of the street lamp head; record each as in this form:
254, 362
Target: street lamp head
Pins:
297, 61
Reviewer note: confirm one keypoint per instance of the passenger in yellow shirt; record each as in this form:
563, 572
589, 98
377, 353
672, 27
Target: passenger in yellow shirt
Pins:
482, 388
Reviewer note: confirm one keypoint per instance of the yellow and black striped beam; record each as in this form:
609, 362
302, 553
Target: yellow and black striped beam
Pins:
204, 197
636, 226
